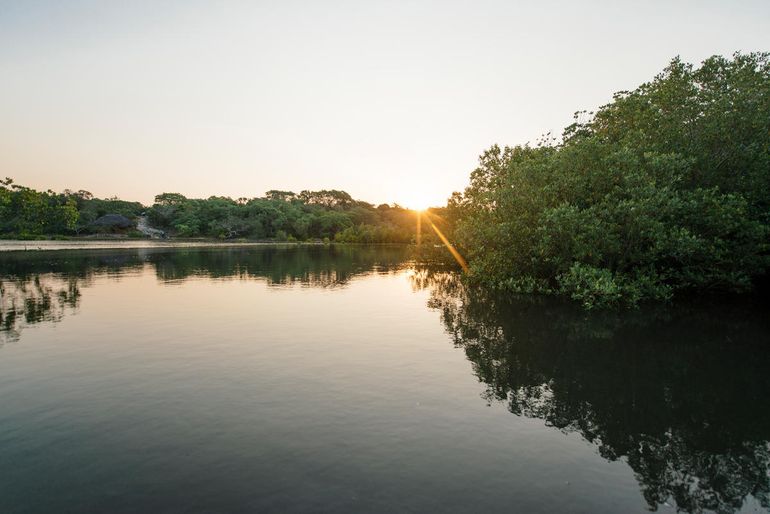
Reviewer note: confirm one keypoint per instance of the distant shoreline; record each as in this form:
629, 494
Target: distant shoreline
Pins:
14, 245
76, 244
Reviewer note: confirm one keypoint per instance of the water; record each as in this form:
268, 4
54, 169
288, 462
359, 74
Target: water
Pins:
341, 379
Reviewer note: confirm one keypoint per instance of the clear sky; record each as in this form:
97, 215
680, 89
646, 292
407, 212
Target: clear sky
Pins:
390, 101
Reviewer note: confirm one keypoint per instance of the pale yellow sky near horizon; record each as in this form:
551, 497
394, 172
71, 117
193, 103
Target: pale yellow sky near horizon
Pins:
392, 102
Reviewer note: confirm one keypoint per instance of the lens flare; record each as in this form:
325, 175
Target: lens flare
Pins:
459, 258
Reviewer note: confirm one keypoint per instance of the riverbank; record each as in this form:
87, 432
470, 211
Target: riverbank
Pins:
75, 244
18, 245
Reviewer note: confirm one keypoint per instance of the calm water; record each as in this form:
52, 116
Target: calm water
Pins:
325, 379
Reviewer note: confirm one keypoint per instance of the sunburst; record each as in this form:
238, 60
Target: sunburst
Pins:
428, 217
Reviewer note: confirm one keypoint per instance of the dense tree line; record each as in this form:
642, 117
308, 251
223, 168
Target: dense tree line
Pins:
665, 189
284, 215
279, 215
27, 213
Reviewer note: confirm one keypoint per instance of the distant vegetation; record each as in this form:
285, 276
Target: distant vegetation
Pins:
279, 215
27, 213
284, 215
664, 190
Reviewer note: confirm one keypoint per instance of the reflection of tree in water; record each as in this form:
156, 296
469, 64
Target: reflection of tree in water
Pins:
27, 301
679, 393
313, 266
42, 286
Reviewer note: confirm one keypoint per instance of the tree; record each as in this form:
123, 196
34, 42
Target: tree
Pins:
666, 189
169, 199
285, 196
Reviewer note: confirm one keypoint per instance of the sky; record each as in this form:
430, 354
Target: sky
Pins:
389, 101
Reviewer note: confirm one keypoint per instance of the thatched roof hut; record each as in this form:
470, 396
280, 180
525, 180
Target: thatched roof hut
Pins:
113, 221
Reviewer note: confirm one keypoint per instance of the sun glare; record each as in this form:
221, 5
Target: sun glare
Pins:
419, 197
418, 204
428, 218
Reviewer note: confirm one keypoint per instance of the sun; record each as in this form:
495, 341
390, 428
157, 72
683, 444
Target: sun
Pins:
418, 202
418, 195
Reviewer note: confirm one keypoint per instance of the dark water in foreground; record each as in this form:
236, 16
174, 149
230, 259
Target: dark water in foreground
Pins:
320, 379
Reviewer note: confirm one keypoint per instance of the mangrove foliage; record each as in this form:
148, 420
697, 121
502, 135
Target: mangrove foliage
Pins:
666, 189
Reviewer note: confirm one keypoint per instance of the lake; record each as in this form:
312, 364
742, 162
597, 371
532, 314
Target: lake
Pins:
358, 379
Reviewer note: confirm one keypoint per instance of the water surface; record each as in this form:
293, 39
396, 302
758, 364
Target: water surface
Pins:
354, 379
